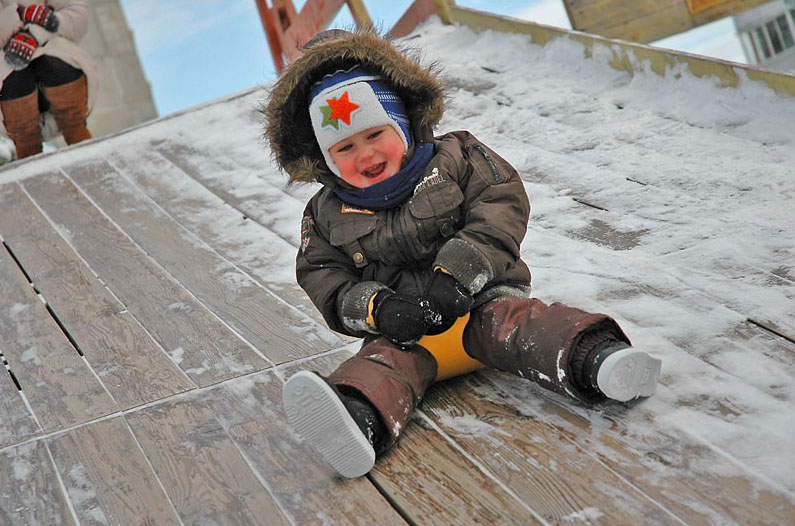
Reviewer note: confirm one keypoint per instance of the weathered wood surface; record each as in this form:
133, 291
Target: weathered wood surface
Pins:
31, 489
246, 233
59, 384
271, 326
132, 366
18, 423
205, 475
552, 474
665, 465
108, 478
196, 340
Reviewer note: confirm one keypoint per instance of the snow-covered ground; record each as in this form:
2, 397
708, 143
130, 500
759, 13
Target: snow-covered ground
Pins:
696, 231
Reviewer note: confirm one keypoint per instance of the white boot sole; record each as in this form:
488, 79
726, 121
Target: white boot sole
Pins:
320, 417
627, 374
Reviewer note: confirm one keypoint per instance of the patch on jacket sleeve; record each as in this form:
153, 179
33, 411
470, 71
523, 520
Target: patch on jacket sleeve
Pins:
350, 209
307, 224
429, 180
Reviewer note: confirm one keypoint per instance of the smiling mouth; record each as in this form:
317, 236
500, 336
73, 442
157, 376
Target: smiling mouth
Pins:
375, 170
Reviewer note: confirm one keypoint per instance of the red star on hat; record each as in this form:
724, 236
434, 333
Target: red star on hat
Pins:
342, 108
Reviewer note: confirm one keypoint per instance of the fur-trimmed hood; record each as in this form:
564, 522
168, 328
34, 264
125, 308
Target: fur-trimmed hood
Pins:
288, 126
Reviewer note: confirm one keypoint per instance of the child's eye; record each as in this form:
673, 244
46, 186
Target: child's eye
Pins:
344, 148
375, 134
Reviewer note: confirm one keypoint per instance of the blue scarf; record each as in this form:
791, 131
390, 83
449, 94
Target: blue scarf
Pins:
393, 191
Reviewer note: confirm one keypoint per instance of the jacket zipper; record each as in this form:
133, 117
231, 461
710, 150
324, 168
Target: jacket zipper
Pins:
494, 172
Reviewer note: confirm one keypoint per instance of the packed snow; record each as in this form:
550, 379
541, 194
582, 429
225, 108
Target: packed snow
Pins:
690, 233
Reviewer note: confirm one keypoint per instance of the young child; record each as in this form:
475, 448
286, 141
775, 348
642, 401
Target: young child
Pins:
409, 233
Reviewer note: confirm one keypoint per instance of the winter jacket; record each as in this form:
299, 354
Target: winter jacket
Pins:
73, 16
468, 213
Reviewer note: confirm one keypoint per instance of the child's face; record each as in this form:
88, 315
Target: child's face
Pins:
369, 157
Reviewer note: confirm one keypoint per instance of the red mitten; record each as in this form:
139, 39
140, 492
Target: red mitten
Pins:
19, 49
41, 15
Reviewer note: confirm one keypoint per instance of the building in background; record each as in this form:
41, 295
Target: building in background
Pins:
767, 33
125, 97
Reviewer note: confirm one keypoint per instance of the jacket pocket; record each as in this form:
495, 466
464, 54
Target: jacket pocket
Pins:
434, 213
346, 233
435, 196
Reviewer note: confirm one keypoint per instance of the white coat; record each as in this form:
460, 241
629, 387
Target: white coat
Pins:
73, 16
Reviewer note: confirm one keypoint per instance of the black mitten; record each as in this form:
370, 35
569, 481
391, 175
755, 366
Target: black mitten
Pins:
19, 49
399, 317
448, 301
41, 15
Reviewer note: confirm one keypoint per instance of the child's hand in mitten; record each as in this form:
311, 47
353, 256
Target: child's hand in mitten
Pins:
399, 317
19, 49
40, 15
448, 301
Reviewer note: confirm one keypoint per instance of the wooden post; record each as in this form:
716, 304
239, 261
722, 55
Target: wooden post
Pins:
359, 13
287, 31
419, 11
443, 8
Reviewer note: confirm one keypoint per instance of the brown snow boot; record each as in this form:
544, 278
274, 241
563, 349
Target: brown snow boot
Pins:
69, 104
21, 116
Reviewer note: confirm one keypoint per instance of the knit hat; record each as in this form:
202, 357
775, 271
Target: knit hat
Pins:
345, 103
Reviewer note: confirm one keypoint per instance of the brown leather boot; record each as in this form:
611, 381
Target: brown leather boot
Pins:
21, 116
69, 104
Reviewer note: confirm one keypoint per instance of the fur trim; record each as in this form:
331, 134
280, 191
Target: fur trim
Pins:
288, 127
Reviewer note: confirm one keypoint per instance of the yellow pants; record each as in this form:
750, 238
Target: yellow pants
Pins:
448, 349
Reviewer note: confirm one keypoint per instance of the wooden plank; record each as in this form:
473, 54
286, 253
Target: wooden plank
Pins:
30, 492
17, 422
203, 347
433, 483
269, 324
668, 467
131, 365
649, 20
250, 409
107, 477
251, 246
552, 475
263, 198
206, 478
426, 477
58, 383
772, 328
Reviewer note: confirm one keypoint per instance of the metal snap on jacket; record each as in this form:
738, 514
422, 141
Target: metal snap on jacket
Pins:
447, 229
358, 257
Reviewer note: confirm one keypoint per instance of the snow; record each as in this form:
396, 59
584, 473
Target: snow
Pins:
699, 187
696, 185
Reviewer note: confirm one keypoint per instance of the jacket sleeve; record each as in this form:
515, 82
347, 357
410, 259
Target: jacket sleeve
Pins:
9, 22
330, 280
73, 17
496, 213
